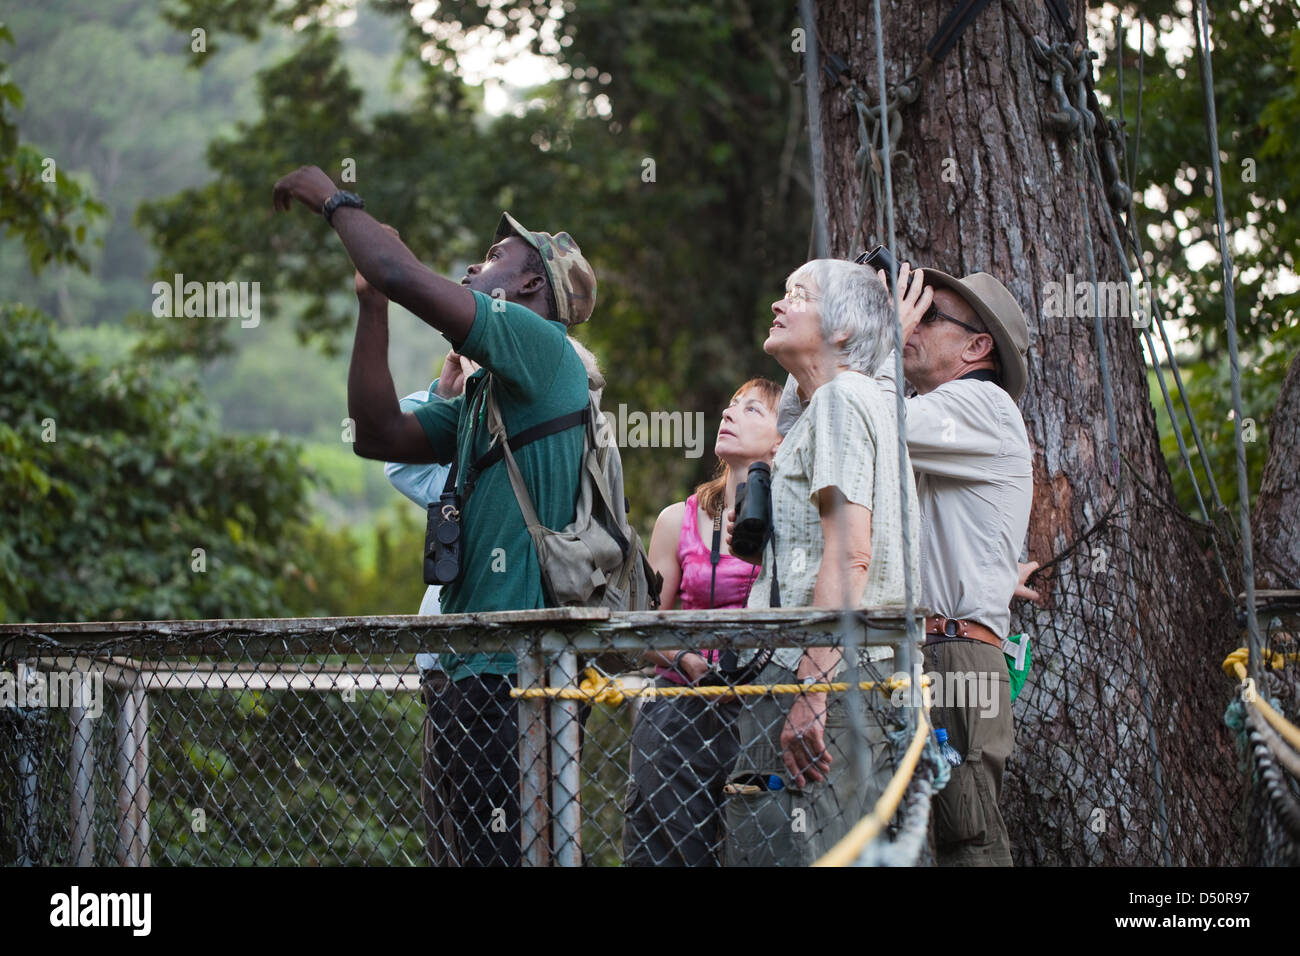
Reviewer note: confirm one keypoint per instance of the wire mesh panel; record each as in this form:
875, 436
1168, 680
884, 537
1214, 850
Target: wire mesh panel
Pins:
518, 738
1122, 757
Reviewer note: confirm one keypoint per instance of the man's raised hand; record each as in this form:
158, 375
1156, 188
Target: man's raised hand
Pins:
307, 184
456, 369
915, 299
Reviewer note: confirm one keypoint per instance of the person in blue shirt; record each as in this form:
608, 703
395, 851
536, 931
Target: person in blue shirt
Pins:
423, 483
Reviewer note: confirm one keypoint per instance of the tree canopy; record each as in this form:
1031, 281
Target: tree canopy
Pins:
669, 141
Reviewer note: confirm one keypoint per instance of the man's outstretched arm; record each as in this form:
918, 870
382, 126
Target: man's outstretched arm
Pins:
382, 430
382, 258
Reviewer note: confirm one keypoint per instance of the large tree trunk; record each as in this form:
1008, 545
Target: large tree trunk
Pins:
1277, 509
1125, 689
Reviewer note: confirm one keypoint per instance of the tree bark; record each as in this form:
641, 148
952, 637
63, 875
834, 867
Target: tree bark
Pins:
1125, 685
1276, 520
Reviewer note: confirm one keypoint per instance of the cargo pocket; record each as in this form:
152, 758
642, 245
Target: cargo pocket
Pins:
768, 828
959, 815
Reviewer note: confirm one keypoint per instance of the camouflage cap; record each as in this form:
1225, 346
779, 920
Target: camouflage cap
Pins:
572, 279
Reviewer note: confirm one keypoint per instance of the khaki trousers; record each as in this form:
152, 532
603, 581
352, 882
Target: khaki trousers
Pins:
967, 824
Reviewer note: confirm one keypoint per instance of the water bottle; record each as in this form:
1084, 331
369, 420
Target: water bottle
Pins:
948, 750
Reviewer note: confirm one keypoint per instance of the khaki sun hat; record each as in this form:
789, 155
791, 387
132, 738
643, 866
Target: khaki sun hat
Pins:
1002, 317
572, 279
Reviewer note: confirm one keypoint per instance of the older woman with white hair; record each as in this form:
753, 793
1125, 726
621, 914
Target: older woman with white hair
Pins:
836, 542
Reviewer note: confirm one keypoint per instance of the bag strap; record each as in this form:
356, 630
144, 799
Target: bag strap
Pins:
774, 595
527, 437
715, 554
449, 485
496, 428
596, 468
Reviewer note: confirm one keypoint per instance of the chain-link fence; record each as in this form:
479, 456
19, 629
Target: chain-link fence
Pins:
533, 738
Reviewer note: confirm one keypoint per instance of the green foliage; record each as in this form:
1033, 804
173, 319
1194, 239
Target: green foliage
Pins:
113, 471
50, 218
112, 94
1256, 52
1257, 97
376, 569
226, 228
274, 795
687, 263
1209, 394
110, 477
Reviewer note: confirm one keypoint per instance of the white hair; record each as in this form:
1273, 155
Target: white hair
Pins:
852, 300
595, 381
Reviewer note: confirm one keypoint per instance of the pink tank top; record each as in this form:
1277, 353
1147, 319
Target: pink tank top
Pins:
734, 575
731, 587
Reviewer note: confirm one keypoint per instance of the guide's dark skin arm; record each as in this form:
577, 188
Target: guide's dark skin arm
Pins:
383, 431
382, 258
386, 269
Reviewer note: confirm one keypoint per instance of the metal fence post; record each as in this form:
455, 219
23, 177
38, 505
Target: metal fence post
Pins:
566, 804
910, 662
534, 811
133, 775
82, 789
31, 723
859, 750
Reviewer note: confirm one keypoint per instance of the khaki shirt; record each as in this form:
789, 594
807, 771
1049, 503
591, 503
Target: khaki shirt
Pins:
847, 439
974, 481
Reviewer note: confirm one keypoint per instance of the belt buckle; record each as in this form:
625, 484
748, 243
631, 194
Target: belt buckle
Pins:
950, 628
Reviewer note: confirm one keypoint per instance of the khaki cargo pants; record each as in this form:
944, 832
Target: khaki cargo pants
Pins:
968, 826
792, 827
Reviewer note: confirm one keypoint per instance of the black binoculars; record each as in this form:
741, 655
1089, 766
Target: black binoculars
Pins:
442, 540
880, 258
753, 523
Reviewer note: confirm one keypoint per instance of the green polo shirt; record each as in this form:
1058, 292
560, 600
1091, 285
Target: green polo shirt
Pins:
537, 376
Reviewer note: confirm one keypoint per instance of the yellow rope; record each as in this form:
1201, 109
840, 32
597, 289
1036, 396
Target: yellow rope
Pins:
1235, 666
596, 688
869, 827
1241, 656
599, 689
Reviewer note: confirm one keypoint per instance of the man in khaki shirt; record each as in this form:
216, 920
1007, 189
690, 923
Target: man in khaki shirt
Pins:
964, 344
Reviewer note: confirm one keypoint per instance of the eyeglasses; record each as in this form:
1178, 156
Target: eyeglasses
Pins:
932, 315
799, 296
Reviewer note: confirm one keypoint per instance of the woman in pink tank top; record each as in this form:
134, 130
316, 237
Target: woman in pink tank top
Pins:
684, 747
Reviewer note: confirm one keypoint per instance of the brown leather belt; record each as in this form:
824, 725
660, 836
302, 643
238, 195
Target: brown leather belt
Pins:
940, 626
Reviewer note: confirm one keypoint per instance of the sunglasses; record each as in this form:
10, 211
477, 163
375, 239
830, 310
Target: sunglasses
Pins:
933, 315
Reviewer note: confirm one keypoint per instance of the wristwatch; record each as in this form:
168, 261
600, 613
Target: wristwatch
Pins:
341, 198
